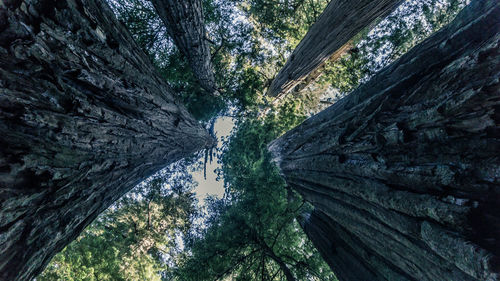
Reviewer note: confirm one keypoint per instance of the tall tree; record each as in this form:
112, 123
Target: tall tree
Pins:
84, 117
185, 23
410, 24
404, 171
329, 36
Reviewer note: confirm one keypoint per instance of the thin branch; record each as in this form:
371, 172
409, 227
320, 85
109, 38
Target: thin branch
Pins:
238, 262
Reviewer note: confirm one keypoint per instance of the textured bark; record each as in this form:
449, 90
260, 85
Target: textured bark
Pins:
83, 118
404, 172
318, 71
185, 24
329, 36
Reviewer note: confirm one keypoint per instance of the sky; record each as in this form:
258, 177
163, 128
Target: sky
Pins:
210, 186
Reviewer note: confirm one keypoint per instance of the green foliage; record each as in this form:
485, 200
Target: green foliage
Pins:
177, 72
255, 235
135, 239
238, 55
254, 232
410, 24
283, 22
247, 149
144, 24
346, 73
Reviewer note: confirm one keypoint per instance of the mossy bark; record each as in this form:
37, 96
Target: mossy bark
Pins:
83, 118
404, 172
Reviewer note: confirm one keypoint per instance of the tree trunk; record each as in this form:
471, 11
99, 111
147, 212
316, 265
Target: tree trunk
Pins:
329, 36
83, 118
185, 23
319, 70
404, 173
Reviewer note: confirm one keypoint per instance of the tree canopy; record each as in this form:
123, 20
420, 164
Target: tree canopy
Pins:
254, 232
135, 239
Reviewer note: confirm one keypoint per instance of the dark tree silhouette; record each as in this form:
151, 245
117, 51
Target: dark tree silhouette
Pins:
84, 118
404, 172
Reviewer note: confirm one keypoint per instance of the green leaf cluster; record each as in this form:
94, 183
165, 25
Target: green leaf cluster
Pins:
255, 235
135, 239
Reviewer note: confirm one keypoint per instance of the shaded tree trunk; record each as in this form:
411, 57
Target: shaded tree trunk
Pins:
185, 23
404, 173
329, 36
83, 118
318, 71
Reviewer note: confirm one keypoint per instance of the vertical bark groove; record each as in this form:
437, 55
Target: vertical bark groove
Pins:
404, 172
186, 25
83, 118
329, 36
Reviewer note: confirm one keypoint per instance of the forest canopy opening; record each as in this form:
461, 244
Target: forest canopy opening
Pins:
158, 231
232, 77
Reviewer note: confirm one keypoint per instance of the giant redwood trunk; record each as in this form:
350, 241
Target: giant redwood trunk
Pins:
185, 23
404, 173
329, 36
83, 118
